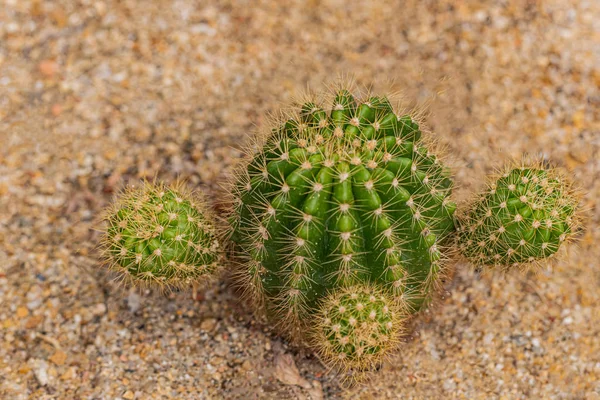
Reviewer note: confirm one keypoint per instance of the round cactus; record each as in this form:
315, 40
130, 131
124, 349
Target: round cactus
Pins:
336, 198
523, 217
160, 236
357, 328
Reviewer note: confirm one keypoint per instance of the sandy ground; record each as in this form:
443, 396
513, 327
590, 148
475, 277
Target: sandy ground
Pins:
96, 94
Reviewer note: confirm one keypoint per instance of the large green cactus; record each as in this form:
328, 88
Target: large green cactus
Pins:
160, 236
337, 198
523, 217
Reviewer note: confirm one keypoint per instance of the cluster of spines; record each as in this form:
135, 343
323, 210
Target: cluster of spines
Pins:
357, 328
524, 217
292, 194
160, 236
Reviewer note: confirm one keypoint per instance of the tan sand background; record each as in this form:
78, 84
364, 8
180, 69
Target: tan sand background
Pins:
95, 94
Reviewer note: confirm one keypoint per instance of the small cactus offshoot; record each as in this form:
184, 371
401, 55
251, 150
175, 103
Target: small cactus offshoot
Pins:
160, 236
523, 217
359, 326
338, 197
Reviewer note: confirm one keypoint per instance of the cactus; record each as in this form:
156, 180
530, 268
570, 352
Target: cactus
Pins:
339, 198
160, 236
358, 327
523, 217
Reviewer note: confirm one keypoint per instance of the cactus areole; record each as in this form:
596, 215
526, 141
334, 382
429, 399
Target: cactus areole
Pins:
339, 198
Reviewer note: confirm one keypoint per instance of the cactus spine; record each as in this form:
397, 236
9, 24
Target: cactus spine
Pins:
338, 198
160, 236
522, 218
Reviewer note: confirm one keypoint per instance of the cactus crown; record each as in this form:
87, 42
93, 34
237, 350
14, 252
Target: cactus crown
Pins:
523, 217
160, 236
336, 197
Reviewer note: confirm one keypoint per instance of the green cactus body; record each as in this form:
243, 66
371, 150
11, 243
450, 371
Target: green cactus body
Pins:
338, 198
358, 327
523, 217
160, 236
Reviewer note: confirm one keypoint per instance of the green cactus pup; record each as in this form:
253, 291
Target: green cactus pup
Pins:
340, 197
358, 328
160, 236
523, 217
